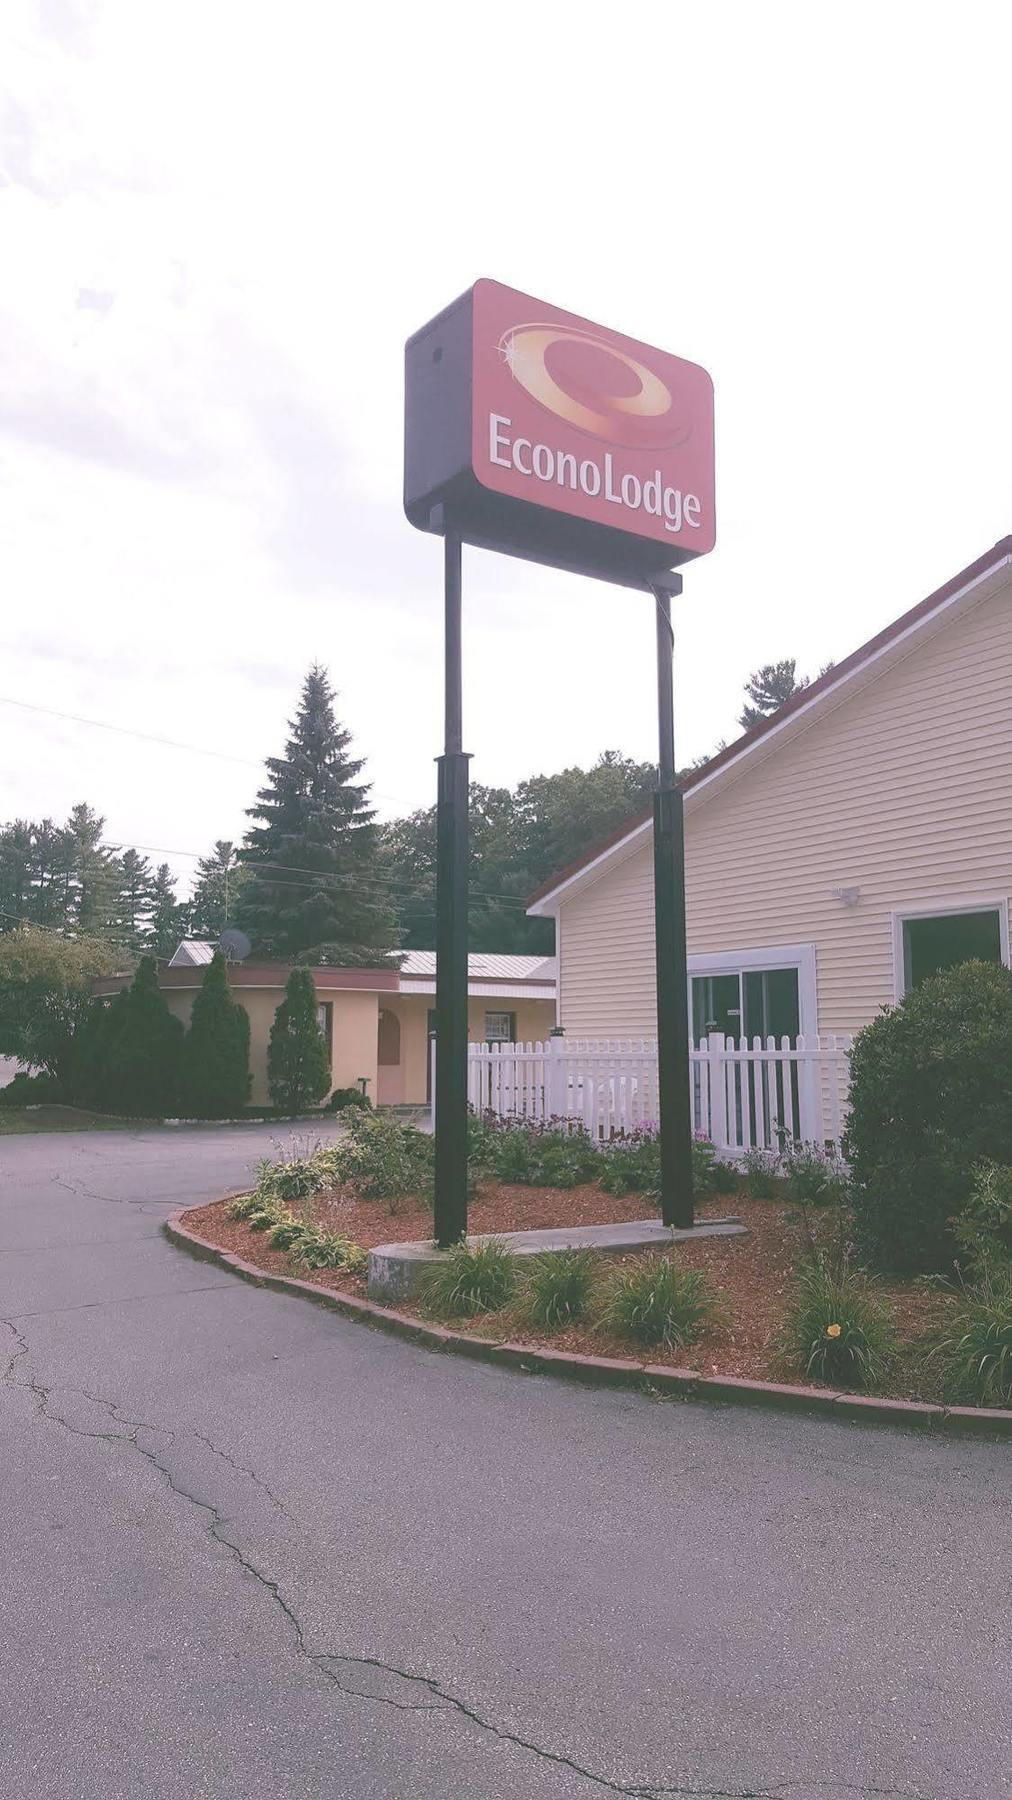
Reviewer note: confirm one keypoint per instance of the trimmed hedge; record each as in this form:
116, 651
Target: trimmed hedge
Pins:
931, 1097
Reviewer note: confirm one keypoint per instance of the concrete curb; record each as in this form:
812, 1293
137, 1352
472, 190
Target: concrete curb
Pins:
607, 1371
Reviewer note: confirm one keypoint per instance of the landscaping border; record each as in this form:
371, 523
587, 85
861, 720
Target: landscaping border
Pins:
606, 1371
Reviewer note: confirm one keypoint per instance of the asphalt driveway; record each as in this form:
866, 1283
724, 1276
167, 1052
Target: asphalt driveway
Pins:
251, 1549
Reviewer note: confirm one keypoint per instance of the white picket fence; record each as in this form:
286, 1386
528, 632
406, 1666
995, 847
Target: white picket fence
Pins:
746, 1095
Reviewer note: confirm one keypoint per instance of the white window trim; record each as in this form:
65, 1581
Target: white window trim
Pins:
942, 909
769, 956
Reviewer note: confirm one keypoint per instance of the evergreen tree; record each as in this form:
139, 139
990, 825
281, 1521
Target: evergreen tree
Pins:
88, 1080
298, 1067
134, 898
142, 1058
315, 892
91, 875
219, 883
767, 690
167, 921
216, 1077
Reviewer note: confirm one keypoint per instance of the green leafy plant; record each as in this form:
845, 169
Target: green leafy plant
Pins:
814, 1176
246, 1205
983, 1230
657, 1300
839, 1329
930, 1099
265, 1215
558, 1286
531, 1154
762, 1169
288, 1231
975, 1349
469, 1279
724, 1177
383, 1159
319, 1249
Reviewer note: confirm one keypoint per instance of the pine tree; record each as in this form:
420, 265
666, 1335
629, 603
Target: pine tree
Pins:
134, 899
216, 1077
167, 922
298, 1067
315, 892
140, 1075
220, 881
767, 689
91, 875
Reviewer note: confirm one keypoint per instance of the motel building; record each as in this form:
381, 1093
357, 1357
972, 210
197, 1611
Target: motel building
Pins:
376, 1021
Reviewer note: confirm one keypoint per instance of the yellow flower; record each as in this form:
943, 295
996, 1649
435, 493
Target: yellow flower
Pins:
833, 1330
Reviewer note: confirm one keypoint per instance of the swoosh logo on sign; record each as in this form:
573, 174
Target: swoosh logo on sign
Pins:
591, 384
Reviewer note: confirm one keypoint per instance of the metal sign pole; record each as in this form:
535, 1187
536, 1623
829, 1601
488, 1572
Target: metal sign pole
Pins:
450, 1107
673, 1070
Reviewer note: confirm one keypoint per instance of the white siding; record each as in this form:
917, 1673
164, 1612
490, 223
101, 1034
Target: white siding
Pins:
904, 791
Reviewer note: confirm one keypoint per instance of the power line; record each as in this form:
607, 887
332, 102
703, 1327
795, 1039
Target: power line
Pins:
148, 737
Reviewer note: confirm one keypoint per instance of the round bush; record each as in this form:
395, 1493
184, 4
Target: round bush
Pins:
931, 1096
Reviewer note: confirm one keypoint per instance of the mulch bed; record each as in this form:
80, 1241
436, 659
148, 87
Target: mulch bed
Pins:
751, 1275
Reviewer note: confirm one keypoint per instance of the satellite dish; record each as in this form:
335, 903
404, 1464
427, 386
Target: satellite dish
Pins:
234, 946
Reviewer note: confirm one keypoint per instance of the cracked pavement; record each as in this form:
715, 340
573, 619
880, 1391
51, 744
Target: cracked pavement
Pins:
252, 1549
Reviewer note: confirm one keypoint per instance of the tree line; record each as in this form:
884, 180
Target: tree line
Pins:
317, 878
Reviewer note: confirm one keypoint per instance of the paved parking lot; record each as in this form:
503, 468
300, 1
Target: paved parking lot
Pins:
252, 1549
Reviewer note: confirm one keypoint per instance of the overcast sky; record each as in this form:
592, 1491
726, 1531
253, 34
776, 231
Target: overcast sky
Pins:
220, 220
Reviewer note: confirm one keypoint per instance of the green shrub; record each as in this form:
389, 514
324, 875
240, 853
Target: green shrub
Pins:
976, 1348
656, 1300
762, 1169
215, 1074
246, 1205
298, 1066
724, 1177
983, 1230
142, 1049
839, 1330
469, 1279
632, 1165
288, 1231
33, 1090
319, 1249
931, 1097
265, 1214
383, 1159
814, 1176
342, 1098
533, 1155
558, 1286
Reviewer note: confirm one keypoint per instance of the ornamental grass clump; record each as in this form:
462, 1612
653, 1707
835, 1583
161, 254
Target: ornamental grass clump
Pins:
559, 1284
975, 1350
657, 1300
839, 1329
469, 1279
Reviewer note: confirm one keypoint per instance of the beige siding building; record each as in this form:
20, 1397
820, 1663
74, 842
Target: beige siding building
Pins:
854, 842
376, 1021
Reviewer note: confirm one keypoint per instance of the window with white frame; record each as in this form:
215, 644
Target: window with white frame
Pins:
760, 993
928, 938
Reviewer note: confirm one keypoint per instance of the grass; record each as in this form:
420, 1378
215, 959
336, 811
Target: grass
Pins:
658, 1301
22, 1121
470, 1279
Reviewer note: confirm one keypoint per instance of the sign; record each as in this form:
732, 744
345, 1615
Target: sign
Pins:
541, 434
590, 423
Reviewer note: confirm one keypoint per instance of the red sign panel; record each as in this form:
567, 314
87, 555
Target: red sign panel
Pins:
587, 422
